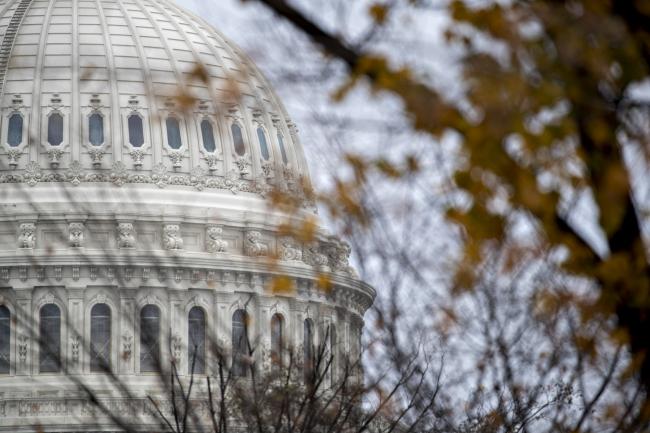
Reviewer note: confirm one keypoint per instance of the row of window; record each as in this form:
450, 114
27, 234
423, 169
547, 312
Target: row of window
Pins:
136, 133
150, 332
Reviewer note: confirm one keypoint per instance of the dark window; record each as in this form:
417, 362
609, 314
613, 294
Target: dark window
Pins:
196, 341
283, 151
50, 339
96, 129
277, 339
150, 338
100, 337
5, 334
55, 129
208, 136
15, 131
308, 351
239, 343
136, 130
264, 147
238, 140
173, 133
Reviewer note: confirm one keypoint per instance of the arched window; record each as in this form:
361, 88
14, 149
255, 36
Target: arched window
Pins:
96, 129
277, 339
5, 336
136, 130
283, 151
196, 340
55, 129
15, 130
208, 136
264, 147
149, 338
238, 139
173, 133
239, 343
334, 352
49, 356
308, 351
100, 338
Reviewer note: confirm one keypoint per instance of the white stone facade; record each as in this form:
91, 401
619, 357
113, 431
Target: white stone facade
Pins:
87, 218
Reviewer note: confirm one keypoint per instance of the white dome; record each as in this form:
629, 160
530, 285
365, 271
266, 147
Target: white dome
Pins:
121, 59
115, 192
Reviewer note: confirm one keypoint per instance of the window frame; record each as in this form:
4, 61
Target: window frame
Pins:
46, 113
277, 350
8, 341
247, 152
61, 346
238, 368
159, 341
189, 341
111, 334
146, 147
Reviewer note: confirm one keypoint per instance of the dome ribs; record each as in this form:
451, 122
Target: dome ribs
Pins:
10, 37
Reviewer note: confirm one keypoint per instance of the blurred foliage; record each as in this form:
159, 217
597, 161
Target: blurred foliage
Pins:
546, 116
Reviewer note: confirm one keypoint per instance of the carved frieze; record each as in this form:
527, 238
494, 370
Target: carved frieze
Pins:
172, 239
214, 242
27, 235
253, 245
76, 234
125, 235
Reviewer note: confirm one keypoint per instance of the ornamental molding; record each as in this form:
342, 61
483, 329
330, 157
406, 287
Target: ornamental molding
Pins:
160, 176
350, 297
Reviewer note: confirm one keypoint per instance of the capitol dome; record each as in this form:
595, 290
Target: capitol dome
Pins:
137, 148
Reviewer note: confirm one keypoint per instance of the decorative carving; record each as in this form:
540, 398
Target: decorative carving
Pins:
55, 155
96, 155
198, 178
242, 163
93, 273
74, 346
214, 243
253, 245
313, 256
23, 342
338, 253
76, 234
289, 249
172, 237
32, 173
27, 235
118, 174
40, 273
110, 274
178, 275
13, 155
58, 273
75, 273
213, 161
267, 169
75, 173
176, 156
4, 274
128, 273
22, 273
137, 155
177, 348
127, 345
145, 273
125, 235
159, 175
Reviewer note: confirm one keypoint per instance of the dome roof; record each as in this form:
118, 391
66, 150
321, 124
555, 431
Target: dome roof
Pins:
136, 92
